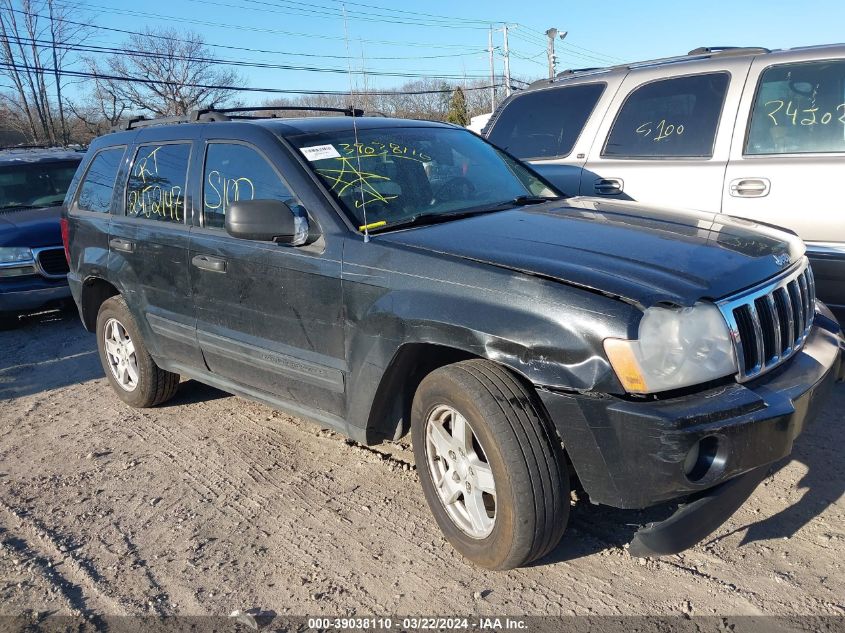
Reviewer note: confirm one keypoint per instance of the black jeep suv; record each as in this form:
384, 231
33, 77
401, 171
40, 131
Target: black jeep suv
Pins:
384, 276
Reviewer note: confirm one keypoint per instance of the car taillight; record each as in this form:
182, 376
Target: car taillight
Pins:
65, 238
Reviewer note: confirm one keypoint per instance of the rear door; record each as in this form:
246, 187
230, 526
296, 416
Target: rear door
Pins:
552, 128
269, 316
666, 139
788, 157
148, 245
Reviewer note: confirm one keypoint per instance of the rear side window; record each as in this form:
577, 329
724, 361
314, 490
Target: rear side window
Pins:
95, 192
236, 172
156, 188
669, 118
799, 108
545, 123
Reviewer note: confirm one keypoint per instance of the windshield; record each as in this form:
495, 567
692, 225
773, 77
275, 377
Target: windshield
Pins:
27, 185
396, 175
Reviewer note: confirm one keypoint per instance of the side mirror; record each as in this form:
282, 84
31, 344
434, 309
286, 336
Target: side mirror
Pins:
267, 221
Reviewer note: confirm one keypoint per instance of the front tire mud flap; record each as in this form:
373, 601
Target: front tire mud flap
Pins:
696, 519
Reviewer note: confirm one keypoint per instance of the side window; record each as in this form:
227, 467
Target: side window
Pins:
545, 123
156, 188
669, 118
236, 172
95, 192
799, 108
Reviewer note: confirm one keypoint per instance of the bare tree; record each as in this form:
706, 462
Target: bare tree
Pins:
102, 111
35, 40
164, 72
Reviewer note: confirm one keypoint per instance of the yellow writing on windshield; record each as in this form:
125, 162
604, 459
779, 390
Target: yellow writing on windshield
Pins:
350, 176
379, 148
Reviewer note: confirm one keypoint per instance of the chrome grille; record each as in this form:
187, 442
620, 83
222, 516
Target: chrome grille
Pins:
770, 322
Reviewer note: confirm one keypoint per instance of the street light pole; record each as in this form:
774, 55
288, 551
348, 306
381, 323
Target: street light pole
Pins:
550, 51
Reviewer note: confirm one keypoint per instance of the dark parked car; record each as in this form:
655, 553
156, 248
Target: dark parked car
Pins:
384, 276
33, 266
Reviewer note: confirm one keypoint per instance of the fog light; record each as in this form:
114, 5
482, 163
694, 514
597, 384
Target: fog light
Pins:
706, 459
17, 271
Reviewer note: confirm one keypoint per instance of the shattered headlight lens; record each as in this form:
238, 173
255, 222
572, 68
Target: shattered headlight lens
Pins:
675, 347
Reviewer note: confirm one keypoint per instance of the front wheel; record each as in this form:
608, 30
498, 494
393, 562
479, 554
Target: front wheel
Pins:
492, 471
130, 369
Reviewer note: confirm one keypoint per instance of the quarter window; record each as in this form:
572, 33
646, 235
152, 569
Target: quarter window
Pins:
236, 172
545, 123
156, 189
669, 118
95, 192
799, 108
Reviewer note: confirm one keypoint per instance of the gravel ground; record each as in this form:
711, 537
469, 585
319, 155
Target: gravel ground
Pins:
212, 503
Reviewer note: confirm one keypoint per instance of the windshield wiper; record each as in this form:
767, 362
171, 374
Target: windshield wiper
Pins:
16, 207
435, 218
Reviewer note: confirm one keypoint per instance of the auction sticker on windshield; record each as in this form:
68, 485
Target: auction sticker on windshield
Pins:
319, 152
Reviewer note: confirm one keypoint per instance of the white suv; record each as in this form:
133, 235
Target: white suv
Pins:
743, 131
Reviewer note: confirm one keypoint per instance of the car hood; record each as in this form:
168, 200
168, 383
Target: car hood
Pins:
641, 254
31, 227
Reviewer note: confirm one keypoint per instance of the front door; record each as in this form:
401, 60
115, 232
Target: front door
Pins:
268, 316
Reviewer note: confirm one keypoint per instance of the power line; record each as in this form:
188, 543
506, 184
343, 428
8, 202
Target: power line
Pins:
132, 13
291, 7
142, 80
87, 48
471, 51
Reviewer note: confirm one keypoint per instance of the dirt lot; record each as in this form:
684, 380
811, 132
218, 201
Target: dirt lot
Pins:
212, 503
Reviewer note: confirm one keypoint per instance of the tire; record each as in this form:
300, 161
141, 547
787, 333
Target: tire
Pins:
510, 439
130, 369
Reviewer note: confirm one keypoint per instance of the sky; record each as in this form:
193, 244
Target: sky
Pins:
449, 38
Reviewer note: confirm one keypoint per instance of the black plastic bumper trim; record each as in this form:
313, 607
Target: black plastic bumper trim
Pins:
694, 520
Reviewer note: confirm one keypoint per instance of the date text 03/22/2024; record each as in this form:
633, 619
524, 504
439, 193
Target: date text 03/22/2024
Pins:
418, 623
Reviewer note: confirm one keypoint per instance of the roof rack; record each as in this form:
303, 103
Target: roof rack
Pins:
700, 52
728, 50
208, 115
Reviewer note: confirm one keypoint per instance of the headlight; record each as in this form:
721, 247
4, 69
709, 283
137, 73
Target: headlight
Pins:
14, 254
675, 348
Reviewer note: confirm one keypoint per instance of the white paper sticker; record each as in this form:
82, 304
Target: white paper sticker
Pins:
319, 152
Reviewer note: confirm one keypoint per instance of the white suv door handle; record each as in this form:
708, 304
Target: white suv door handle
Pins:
750, 187
608, 186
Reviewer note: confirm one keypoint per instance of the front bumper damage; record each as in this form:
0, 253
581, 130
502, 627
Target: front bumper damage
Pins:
630, 454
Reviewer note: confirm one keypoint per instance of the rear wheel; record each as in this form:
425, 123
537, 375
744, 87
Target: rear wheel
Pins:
492, 471
130, 369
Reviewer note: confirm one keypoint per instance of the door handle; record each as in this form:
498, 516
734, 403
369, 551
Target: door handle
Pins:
207, 262
608, 186
119, 244
750, 187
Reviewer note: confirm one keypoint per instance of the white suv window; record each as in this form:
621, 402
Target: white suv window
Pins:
545, 123
799, 108
669, 118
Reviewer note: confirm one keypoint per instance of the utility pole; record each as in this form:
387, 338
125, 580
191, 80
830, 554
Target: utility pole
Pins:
506, 55
56, 73
552, 33
492, 70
